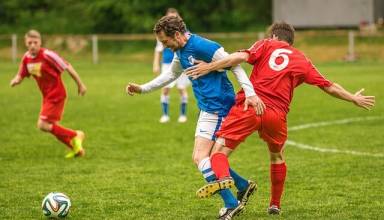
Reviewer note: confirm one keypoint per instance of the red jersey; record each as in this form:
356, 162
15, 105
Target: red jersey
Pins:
278, 69
46, 67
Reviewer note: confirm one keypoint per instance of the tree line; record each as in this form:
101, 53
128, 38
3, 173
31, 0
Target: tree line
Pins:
130, 16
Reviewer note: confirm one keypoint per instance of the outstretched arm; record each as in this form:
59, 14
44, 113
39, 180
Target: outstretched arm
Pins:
203, 68
160, 81
82, 89
358, 98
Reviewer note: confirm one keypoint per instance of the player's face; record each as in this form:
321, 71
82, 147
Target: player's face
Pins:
33, 44
170, 42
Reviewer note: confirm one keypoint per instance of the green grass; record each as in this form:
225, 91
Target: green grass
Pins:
136, 168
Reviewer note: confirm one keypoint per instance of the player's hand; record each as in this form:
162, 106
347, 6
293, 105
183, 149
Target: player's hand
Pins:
256, 103
200, 69
15, 81
363, 101
81, 89
133, 88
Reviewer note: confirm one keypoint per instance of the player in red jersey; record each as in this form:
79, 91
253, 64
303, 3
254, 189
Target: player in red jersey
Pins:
278, 68
45, 66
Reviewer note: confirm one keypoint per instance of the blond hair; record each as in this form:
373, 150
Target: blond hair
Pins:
33, 33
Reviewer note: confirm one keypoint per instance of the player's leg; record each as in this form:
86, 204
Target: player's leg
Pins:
236, 127
182, 84
204, 139
49, 116
183, 105
278, 172
164, 99
274, 132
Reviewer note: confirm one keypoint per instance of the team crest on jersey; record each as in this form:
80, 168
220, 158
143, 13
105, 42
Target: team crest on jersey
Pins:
34, 69
191, 60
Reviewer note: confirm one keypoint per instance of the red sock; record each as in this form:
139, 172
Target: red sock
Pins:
278, 173
220, 165
63, 134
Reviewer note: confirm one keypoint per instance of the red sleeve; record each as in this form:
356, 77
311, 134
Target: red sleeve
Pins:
255, 51
23, 71
55, 60
315, 78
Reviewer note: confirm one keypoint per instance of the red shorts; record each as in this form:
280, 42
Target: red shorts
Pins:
51, 111
239, 124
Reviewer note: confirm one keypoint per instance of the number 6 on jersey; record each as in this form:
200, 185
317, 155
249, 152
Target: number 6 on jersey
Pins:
279, 53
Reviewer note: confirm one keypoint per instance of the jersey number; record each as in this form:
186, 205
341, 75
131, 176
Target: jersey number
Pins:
279, 53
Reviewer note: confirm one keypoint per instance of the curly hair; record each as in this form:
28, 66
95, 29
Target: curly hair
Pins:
170, 25
283, 31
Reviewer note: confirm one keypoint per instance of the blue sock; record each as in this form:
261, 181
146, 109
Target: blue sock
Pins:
205, 168
183, 108
183, 105
164, 104
240, 183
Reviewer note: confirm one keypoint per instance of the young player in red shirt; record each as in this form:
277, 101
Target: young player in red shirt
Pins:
278, 68
45, 67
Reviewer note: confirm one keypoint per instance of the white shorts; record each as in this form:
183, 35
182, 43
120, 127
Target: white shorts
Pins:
207, 125
182, 82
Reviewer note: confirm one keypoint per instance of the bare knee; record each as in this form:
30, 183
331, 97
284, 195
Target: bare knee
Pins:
220, 148
44, 126
165, 91
276, 158
183, 92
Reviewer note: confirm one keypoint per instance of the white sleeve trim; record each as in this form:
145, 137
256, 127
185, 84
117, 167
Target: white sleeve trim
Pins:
239, 73
165, 78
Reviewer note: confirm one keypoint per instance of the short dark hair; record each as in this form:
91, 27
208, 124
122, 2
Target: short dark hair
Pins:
283, 31
170, 25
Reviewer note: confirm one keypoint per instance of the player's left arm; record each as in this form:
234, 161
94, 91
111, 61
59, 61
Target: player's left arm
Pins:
81, 88
358, 98
314, 77
251, 98
60, 64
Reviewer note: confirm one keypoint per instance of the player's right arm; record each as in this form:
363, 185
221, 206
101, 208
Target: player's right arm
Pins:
159, 82
156, 57
21, 74
203, 68
250, 55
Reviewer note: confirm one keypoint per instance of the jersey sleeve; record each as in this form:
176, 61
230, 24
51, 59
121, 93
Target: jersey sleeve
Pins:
314, 77
205, 50
23, 71
164, 79
255, 51
55, 60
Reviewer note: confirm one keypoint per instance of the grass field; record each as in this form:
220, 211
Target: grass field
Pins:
136, 168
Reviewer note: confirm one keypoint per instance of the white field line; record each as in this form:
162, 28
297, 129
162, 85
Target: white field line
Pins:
332, 150
337, 122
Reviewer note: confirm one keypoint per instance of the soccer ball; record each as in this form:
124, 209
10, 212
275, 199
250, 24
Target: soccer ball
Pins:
56, 205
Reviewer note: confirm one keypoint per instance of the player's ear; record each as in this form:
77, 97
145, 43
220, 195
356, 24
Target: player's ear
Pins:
177, 35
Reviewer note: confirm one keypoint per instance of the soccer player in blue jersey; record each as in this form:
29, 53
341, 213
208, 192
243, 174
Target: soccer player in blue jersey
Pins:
164, 56
215, 96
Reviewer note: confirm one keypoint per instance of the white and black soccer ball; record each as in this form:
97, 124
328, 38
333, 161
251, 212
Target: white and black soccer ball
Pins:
56, 205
